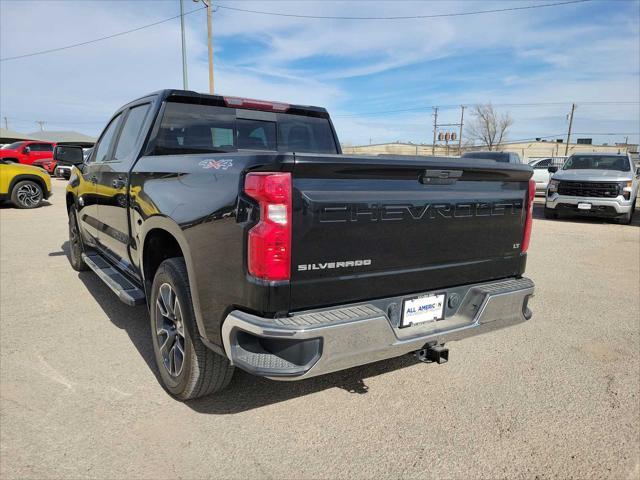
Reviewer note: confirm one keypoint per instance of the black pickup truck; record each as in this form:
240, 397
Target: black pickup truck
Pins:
255, 243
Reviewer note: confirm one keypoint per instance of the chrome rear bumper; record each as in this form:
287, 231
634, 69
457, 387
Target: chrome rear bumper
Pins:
313, 343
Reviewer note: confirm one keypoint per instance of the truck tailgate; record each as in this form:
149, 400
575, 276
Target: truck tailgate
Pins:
372, 227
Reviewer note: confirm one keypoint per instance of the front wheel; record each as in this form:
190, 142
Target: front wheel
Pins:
27, 194
626, 218
188, 369
75, 244
550, 213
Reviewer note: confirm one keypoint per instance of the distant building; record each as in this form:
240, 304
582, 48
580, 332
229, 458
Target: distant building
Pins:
10, 136
526, 150
68, 137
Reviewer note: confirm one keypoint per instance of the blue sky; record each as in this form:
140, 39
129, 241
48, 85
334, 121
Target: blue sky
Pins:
362, 71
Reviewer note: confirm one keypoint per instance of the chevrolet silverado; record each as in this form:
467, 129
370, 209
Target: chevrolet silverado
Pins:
255, 243
594, 184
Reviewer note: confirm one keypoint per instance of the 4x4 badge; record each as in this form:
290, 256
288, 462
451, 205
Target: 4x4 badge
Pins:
217, 164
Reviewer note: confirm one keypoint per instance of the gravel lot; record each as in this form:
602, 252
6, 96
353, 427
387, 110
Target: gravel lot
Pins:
555, 397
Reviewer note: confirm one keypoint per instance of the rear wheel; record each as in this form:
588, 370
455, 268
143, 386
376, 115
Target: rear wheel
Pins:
188, 369
27, 194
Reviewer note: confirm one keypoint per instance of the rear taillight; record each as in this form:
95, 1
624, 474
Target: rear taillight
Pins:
531, 195
269, 248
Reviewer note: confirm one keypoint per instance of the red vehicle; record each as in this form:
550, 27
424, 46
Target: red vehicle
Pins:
49, 164
27, 151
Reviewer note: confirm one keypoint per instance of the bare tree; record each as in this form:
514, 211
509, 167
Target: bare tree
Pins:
488, 126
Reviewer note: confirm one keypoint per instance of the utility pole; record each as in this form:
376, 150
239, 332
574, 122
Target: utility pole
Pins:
6, 123
185, 84
41, 123
566, 148
210, 42
435, 127
460, 134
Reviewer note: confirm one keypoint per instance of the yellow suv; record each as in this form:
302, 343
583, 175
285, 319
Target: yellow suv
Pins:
24, 185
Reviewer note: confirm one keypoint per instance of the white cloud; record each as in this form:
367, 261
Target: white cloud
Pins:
316, 61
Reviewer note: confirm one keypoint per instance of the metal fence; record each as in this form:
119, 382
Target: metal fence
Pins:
553, 161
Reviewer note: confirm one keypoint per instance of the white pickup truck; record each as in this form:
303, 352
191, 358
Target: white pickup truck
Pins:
594, 184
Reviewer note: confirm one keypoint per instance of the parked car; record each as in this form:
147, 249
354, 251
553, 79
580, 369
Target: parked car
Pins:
256, 244
48, 164
594, 184
505, 157
27, 152
25, 186
541, 173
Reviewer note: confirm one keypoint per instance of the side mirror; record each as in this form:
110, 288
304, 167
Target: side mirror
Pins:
638, 171
26, 150
552, 169
68, 154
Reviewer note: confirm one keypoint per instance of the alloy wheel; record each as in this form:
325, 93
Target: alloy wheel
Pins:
170, 330
29, 195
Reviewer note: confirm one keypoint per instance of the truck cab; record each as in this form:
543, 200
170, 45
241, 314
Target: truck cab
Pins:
594, 184
27, 151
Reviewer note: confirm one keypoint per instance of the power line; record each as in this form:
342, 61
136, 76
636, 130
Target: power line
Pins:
407, 17
325, 17
455, 106
42, 52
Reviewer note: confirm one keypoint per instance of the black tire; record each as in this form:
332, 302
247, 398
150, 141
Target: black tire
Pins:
27, 194
550, 214
626, 218
75, 244
201, 371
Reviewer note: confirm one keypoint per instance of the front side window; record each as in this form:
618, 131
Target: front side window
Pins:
597, 162
131, 131
104, 144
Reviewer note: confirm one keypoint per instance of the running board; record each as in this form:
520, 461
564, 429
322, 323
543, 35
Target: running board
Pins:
126, 291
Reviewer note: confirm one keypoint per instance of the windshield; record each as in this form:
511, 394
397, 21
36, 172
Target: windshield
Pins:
188, 128
13, 146
497, 156
597, 162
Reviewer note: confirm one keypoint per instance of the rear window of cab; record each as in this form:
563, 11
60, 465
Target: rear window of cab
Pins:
187, 128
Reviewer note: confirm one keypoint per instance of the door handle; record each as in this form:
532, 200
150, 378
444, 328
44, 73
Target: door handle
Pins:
118, 184
94, 179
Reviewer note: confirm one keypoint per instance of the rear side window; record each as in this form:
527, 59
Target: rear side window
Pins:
188, 128
41, 147
104, 144
131, 131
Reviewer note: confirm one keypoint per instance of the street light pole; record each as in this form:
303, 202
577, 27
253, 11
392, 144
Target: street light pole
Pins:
185, 83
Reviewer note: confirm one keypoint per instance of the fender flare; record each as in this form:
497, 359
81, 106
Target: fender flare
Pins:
160, 222
27, 176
